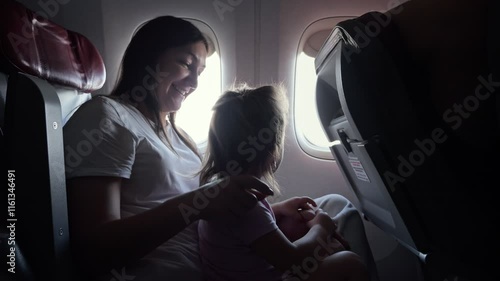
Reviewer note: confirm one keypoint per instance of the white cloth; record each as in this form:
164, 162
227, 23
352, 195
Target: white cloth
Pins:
105, 137
350, 226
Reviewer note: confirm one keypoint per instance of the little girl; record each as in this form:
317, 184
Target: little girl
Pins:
246, 136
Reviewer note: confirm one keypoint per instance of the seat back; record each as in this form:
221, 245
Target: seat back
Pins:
397, 153
49, 72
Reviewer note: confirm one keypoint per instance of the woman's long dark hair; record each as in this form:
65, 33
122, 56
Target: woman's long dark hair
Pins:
140, 63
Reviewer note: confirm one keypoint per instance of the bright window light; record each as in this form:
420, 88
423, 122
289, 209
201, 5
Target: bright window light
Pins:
196, 111
306, 113
309, 131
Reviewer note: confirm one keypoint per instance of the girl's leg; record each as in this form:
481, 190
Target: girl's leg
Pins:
341, 266
350, 226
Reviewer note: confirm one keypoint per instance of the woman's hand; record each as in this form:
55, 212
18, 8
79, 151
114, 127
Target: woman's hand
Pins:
230, 197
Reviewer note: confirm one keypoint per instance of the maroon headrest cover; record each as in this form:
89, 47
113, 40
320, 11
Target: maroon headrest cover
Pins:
34, 45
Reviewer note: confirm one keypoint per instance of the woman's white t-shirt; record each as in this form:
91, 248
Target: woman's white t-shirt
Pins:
106, 137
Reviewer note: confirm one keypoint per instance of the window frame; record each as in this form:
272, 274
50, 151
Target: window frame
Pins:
311, 149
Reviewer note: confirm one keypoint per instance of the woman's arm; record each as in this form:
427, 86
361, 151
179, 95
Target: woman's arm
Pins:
102, 240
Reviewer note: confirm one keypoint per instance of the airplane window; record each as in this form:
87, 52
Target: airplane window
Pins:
196, 111
310, 134
305, 109
201, 102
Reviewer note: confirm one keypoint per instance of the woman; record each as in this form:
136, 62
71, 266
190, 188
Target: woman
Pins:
133, 199
119, 213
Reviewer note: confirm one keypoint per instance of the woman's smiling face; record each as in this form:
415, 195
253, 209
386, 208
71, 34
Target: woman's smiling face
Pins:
180, 68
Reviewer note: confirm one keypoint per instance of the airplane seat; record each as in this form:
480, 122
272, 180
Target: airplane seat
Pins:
398, 155
49, 71
494, 48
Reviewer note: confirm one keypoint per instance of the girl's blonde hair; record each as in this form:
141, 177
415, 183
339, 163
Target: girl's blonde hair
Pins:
247, 134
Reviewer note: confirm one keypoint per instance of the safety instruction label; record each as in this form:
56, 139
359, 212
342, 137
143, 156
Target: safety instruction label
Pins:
358, 169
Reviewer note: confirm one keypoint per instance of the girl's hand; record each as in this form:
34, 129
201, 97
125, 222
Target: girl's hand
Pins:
295, 229
291, 216
292, 207
322, 218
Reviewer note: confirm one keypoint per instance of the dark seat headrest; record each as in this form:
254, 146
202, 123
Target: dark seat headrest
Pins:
34, 45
